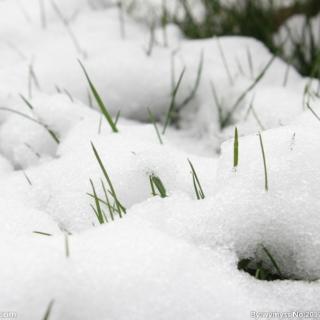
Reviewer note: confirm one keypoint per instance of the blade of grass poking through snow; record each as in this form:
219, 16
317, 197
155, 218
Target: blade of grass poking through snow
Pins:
28, 104
42, 233
107, 202
48, 311
68, 28
196, 85
66, 244
119, 207
52, 134
153, 120
27, 178
153, 190
266, 184
250, 61
244, 94
312, 111
97, 209
151, 38
99, 101
196, 183
286, 75
224, 61
116, 119
156, 183
173, 102
217, 102
32, 78
121, 19
236, 148
273, 261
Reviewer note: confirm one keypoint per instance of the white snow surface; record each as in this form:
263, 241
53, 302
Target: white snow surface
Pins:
167, 258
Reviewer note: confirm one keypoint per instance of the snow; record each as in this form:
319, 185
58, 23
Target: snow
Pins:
167, 258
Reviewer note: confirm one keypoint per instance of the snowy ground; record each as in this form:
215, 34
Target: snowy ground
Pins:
167, 258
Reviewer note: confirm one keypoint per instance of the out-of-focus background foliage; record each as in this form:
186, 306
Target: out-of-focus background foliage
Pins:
290, 29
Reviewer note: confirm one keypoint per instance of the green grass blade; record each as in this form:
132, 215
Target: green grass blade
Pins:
120, 208
66, 243
313, 112
99, 101
153, 191
153, 120
159, 186
117, 117
195, 187
273, 261
97, 208
266, 183
42, 233
52, 134
196, 85
196, 183
236, 148
107, 201
244, 94
27, 178
224, 61
217, 102
173, 102
48, 311
25, 100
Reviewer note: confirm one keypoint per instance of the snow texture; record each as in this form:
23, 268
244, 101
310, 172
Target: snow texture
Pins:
167, 258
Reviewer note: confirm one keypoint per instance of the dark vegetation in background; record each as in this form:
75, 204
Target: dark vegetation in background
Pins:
260, 20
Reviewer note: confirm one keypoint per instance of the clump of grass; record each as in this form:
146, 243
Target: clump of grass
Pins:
196, 183
266, 183
99, 101
257, 19
157, 186
235, 106
260, 269
110, 201
305, 52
